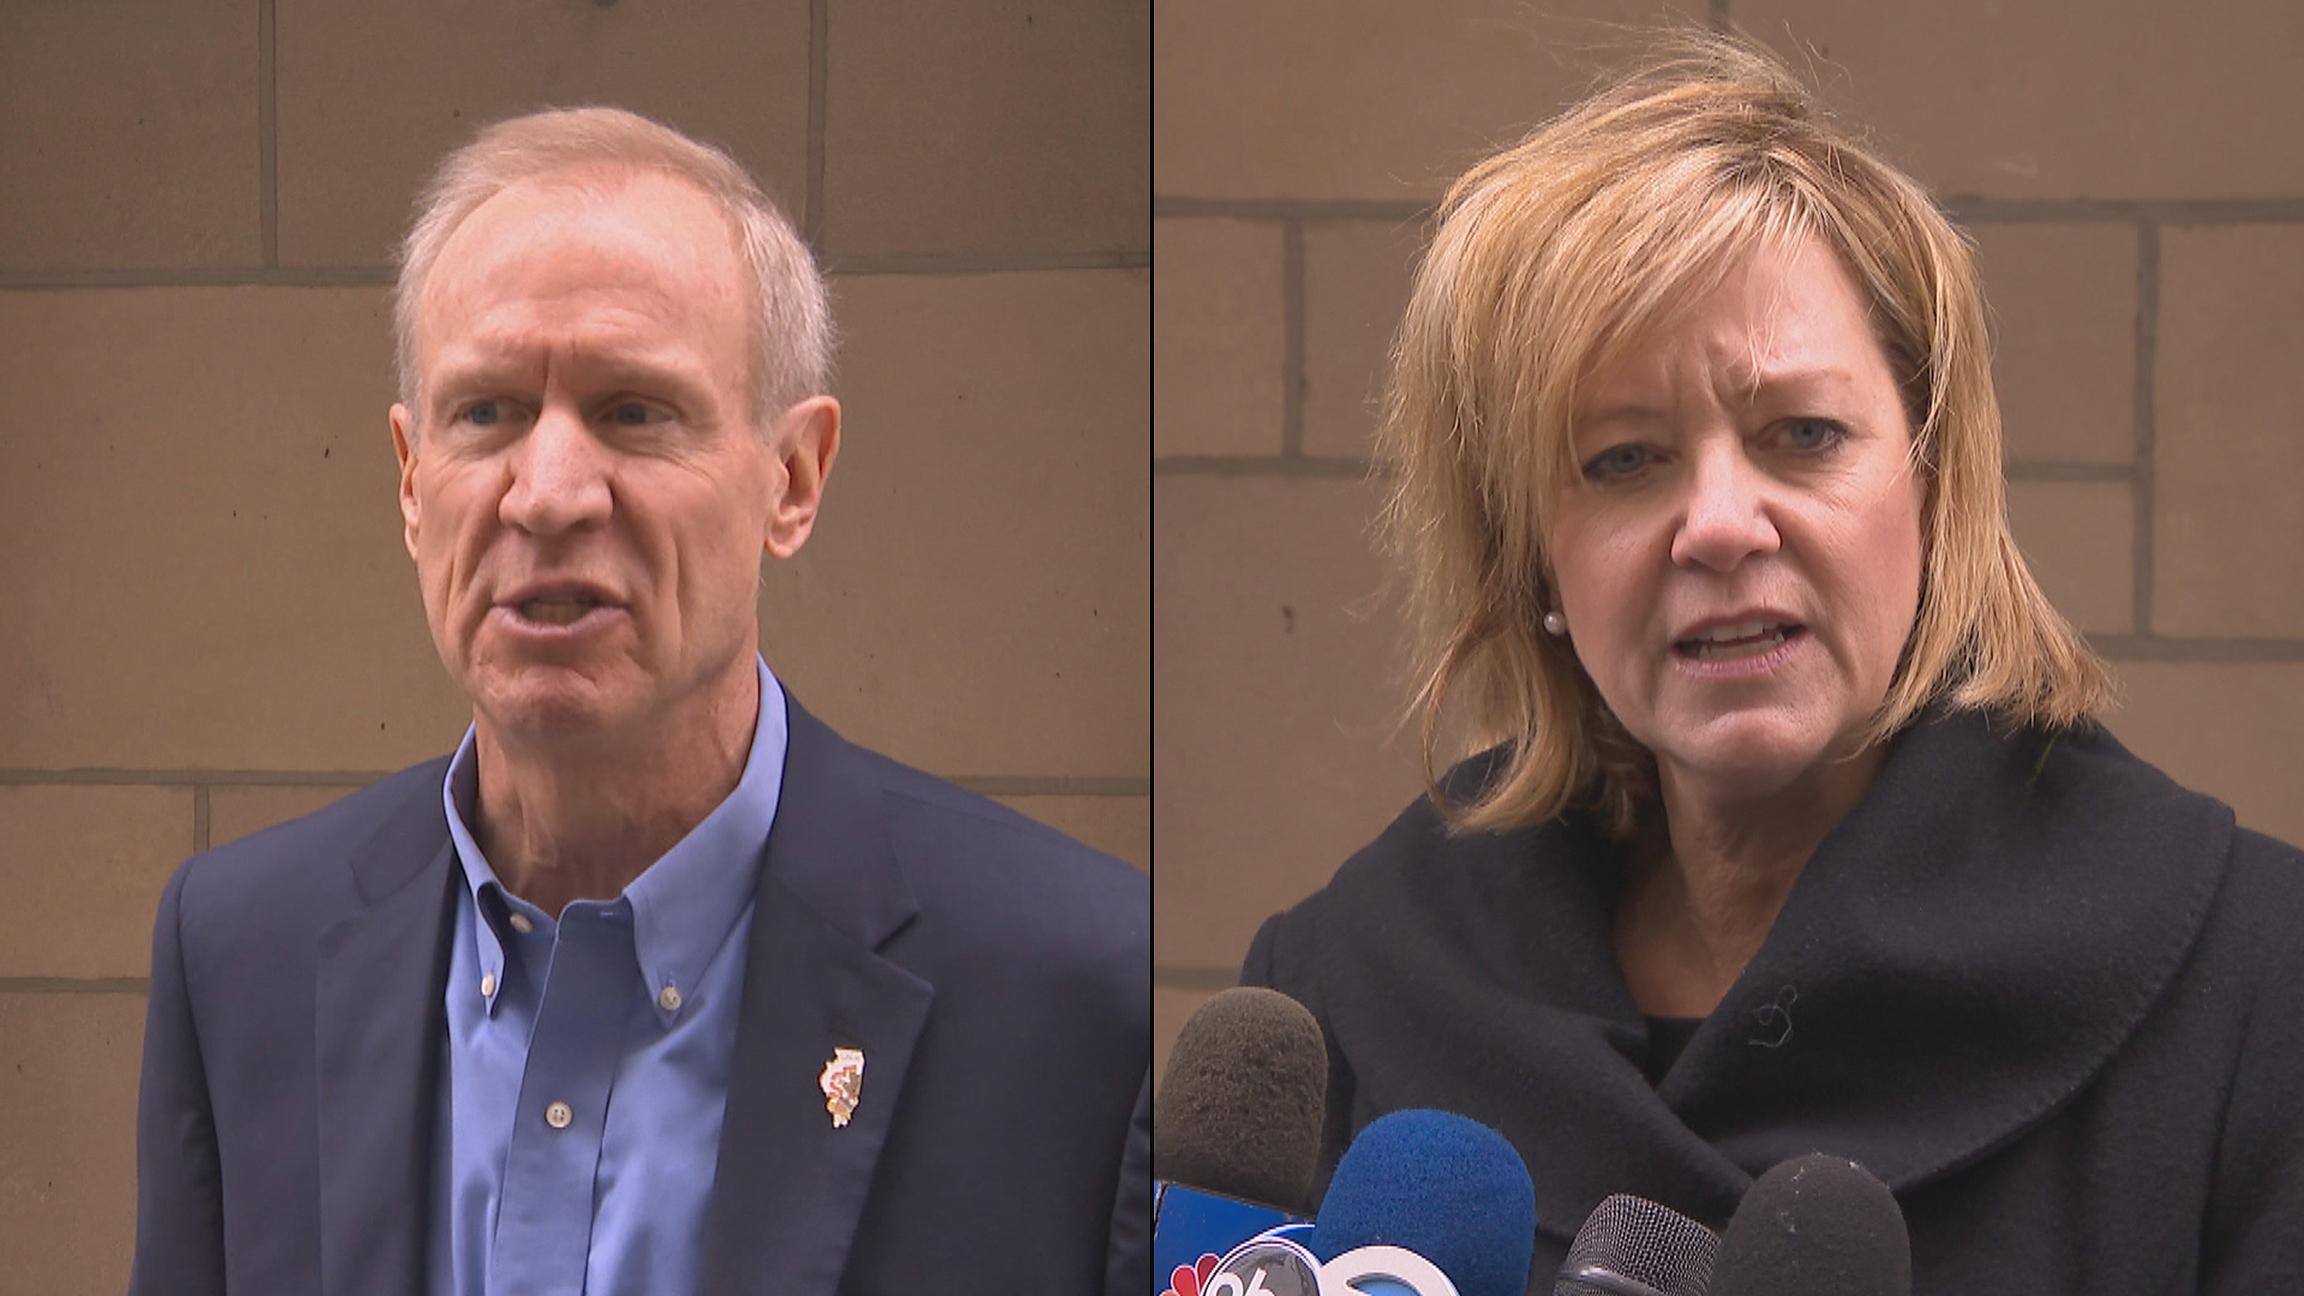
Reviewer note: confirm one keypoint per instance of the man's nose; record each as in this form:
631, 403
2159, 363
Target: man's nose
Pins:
1729, 511
559, 476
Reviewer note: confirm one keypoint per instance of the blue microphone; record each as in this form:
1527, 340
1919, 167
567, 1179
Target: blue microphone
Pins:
1426, 1203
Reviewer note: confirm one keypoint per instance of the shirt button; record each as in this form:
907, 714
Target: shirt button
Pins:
558, 1115
669, 999
521, 924
487, 985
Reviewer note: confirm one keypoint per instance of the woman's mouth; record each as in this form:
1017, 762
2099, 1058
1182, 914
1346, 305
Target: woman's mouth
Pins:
1736, 642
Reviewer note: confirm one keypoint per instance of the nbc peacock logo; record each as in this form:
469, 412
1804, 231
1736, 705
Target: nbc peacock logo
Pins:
1262, 1266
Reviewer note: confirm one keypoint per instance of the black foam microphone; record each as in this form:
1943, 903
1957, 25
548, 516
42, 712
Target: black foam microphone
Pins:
1236, 1128
1819, 1225
1630, 1246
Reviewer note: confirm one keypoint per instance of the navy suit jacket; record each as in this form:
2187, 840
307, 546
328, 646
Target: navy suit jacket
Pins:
996, 974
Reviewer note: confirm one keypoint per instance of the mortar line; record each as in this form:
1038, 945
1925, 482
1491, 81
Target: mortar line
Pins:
2147, 417
955, 263
268, 129
2120, 211
819, 74
2229, 650
238, 277
75, 985
1300, 209
98, 776
2053, 471
1260, 466
1292, 339
1172, 976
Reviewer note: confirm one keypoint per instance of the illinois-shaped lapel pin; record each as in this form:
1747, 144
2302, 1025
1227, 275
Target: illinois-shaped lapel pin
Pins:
843, 1084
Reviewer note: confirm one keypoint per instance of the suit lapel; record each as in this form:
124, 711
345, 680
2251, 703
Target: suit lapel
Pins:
791, 1187
380, 1027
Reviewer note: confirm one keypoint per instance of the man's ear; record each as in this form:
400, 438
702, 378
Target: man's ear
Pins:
404, 445
807, 440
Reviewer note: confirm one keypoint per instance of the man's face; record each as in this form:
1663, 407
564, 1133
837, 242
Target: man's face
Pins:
585, 492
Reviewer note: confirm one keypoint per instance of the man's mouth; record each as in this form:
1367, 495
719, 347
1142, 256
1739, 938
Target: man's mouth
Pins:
1743, 639
561, 609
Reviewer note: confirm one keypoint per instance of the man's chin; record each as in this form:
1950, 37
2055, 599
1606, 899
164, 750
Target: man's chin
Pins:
559, 706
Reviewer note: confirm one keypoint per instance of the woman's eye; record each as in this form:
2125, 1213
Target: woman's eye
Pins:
1617, 461
1811, 434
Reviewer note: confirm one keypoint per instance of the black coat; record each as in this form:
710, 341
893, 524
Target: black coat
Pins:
2055, 1001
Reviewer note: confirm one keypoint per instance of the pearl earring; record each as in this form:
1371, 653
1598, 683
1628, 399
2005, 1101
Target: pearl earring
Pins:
1555, 624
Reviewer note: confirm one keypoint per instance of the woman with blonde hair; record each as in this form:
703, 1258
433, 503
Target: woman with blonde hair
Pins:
1795, 830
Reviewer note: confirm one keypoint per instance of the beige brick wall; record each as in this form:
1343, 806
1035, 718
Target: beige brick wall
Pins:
2130, 174
211, 625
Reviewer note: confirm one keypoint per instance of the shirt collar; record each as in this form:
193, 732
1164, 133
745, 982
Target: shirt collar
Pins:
685, 904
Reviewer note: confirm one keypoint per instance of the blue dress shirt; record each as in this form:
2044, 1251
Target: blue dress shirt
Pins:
588, 1057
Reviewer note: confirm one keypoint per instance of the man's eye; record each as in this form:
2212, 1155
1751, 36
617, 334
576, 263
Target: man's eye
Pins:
482, 413
1616, 461
634, 414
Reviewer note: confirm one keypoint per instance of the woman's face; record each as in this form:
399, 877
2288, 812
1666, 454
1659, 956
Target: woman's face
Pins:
1739, 558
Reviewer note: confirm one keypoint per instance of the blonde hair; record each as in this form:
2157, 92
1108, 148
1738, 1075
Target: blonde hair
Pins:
1557, 255
791, 317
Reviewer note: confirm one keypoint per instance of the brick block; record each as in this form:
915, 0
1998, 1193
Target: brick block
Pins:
235, 812
359, 134
199, 533
974, 599
1219, 317
970, 127
1356, 277
68, 1140
2228, 521
1119, 826
2064, 100
2064, 301
129, 136
2229, 729
1326, 99
81, 869
1278, 675
2080, 539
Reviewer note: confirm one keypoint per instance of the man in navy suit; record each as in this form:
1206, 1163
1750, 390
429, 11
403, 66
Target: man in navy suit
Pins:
656, 985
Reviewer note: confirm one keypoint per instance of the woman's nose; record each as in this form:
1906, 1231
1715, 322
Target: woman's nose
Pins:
1728, 512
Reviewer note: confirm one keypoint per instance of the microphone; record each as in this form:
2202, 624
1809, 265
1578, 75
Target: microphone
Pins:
1630, 1246
1237, 1131
1426, 1203
1820, 1225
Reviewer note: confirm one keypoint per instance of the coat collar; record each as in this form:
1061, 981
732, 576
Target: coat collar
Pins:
380, 1025
1962, 955
790, 1188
